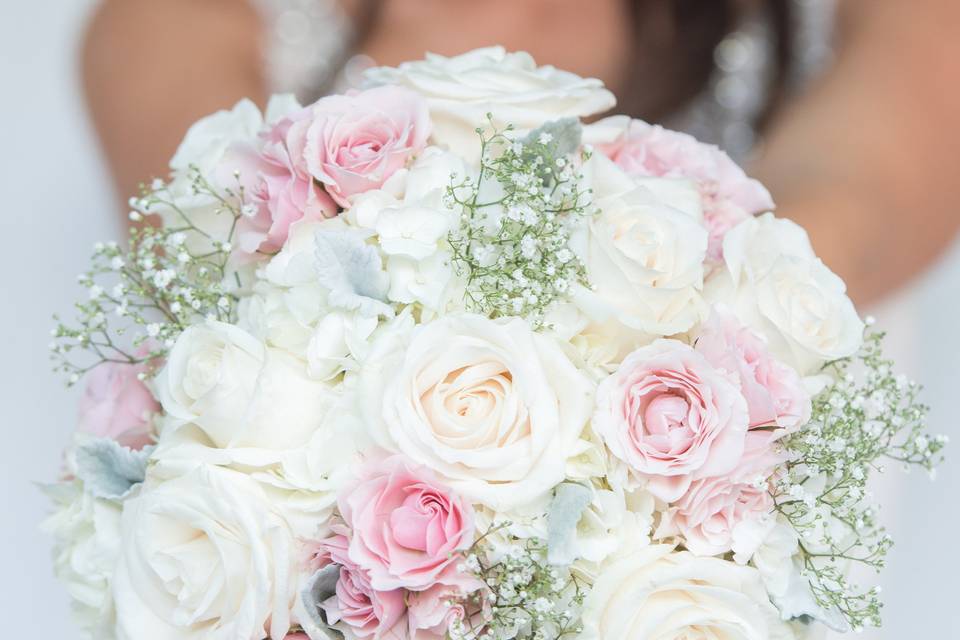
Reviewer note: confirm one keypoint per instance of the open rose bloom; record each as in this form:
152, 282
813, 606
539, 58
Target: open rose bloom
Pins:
436, 359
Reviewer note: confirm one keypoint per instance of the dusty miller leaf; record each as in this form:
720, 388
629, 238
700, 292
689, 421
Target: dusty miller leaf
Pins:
564, 135
319, 587
568, 504
352, 271
108, 469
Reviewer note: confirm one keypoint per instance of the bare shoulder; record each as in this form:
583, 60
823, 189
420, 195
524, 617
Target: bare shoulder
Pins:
152, 67
871, 17
140, 28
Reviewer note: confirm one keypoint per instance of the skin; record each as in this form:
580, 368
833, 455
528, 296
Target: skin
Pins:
866, 160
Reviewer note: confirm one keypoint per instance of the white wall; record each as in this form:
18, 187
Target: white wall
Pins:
55, 202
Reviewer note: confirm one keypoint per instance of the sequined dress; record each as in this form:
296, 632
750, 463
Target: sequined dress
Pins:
305, 40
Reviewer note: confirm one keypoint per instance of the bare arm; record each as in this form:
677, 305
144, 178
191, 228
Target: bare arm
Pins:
152, 67
869, 161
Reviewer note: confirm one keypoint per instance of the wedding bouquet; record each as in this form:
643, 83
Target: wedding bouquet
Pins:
437, 359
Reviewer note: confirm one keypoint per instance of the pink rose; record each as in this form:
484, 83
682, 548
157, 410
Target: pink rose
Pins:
277, 184
406, 526
432, 612
727, 193
719, 216
117, 404
356, 141
715, 514
356, 604
774, 391
671, 417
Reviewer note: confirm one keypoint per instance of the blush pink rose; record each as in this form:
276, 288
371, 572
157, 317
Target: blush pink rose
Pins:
407, 528
715, 513
277, 184
774, 391
117, 404
719, 216
355, 142
356, 604
431, 613
728, 194
671, 417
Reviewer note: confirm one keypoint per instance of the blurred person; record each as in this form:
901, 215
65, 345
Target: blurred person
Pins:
845, 109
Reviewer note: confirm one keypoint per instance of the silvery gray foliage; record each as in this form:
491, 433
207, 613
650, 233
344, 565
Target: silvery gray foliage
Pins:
352, 271
565, 510
319, 587
559, 137
556, 139
108, 469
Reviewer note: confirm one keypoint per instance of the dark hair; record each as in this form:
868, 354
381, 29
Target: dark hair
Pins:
678, 39
675, 37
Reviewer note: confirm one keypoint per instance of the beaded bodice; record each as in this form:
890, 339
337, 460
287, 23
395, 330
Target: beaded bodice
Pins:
305, 42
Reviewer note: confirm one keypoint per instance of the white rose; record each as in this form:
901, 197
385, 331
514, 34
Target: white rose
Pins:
240, 392
302, 482
208, 138
779, 287
656, 592
758, 242
86, 548
644, 257
462, 90
203, 556
494, 407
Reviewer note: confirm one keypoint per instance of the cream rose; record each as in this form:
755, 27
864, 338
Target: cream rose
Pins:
781, 289
203, 556
461, 91
659, 593
238, 391
643, 253
493, 407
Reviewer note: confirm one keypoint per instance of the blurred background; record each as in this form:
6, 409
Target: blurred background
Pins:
849, 117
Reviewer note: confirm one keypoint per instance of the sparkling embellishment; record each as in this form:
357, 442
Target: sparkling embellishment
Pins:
307, 37
303, 39
737, 92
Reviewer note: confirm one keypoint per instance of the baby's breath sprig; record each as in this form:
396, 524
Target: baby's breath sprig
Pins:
516, 219
859, 421
525, 598
141, 297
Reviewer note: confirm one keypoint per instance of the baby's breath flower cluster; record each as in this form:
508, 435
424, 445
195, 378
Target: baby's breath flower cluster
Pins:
141, 297
525, 598
512, 243
857, 422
